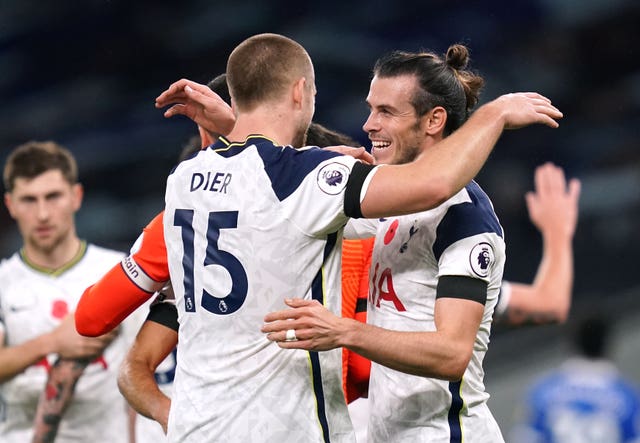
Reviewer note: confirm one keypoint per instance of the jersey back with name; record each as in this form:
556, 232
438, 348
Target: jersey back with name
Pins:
246, 226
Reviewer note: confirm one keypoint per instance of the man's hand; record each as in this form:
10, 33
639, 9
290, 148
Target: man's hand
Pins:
316, 328
553, 207
357, 153
200, 104
525, 108
71, 345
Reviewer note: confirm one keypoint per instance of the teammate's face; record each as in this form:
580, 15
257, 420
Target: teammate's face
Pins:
44, 208
394, 128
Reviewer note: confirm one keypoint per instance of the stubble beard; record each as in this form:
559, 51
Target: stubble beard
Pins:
48, 246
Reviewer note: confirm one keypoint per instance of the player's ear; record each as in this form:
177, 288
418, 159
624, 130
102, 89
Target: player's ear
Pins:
435, 120
8, 203
77, 192
298, 92
207, 138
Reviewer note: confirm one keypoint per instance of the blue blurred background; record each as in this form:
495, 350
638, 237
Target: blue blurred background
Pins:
86, 74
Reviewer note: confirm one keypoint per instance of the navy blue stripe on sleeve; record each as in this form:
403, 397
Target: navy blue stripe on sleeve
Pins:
287, 167
466, 220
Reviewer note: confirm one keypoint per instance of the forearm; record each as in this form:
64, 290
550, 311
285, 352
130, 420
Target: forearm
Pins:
554, 280
439, 172
56, 397
106, 304
137, 384
15, 359
427, 354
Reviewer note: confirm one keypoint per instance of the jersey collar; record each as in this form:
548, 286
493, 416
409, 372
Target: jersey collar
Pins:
82, 250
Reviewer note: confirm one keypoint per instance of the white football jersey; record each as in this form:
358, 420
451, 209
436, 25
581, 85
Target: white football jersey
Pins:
462, 237
32, 303
246, 226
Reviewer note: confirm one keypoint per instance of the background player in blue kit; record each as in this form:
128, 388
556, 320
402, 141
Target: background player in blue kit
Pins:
586, 399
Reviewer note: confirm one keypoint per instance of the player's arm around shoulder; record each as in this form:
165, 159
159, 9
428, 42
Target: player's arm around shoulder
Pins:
446, 167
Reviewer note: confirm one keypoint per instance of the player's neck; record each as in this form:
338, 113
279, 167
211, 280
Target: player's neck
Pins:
268, 122
56, 257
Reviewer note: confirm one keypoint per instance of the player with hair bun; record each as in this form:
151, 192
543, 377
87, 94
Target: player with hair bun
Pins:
435, 275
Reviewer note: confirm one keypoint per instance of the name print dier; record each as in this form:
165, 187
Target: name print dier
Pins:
211, 181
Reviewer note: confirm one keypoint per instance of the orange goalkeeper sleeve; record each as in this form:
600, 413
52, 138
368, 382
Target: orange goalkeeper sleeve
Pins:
356, 261
104, 305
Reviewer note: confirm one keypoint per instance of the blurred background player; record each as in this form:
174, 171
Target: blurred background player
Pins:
586, 399
553, 209
41, 286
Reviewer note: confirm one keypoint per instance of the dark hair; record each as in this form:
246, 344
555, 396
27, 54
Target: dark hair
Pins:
262, 67
34, 158
592, 336
193, 145
318, 135
445, 83
220, 87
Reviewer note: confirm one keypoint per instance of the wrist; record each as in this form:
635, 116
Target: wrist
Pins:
493, 112
48, 344
556, 237
160, 411
350, 334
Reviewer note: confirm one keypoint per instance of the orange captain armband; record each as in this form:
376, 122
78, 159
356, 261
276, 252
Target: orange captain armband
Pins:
104, 305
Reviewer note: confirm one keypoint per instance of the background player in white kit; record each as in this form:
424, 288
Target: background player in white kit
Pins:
41, 285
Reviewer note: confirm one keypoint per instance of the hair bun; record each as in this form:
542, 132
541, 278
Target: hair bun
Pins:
457, 56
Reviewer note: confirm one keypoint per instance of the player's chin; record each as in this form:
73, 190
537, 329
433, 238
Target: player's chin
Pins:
45, 243
382, 156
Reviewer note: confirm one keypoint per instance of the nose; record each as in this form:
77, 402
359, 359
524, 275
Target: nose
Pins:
371, 124
42, 210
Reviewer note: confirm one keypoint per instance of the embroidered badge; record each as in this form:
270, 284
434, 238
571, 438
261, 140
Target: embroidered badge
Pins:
332, 178
481, 258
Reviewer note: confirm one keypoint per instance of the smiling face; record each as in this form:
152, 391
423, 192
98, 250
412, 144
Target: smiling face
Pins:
43, 208
396, 132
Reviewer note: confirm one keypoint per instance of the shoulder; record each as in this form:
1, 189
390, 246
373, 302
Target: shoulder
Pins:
10, 264
472, 202
102, 253
289, 168
467, 214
